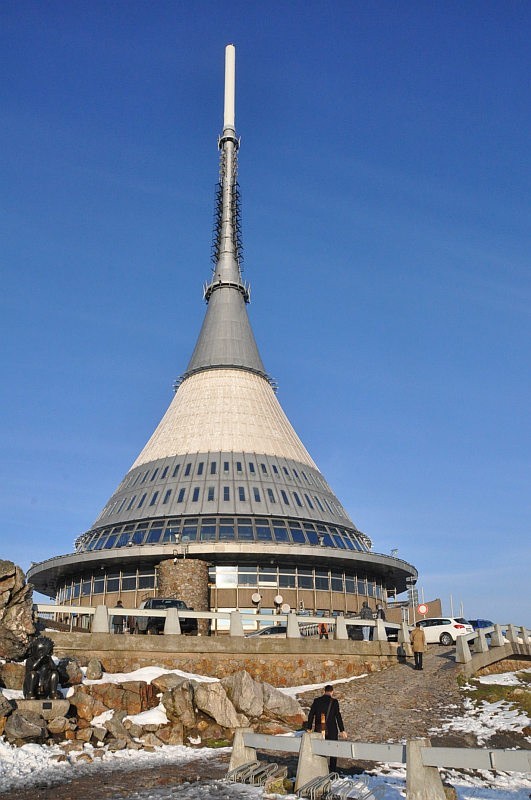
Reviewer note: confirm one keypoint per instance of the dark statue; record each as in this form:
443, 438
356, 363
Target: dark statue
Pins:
41, 681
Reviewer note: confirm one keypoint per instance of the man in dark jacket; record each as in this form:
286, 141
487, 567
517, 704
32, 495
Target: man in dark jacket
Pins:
366, 613
325, 716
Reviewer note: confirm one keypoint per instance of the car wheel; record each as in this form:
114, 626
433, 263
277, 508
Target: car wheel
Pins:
446, 639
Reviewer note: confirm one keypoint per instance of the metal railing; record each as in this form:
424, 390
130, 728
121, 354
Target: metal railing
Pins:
421, 759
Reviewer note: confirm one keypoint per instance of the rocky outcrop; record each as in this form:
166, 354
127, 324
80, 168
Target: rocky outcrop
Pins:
188, 712
17, 624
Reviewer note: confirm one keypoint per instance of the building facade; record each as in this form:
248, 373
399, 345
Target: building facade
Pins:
224, 506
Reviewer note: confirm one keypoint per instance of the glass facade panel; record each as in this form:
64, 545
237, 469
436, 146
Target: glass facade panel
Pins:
99, 585
305, 578
336, 581
226, 576
247, 576
263, 533
267, 577
146, 580
110, 541
226, 532
138, 535
297, 535
208, 533
286, 578
281, 534
154, 535
86, 587
245, 533
128, 580
113, 582
321, 580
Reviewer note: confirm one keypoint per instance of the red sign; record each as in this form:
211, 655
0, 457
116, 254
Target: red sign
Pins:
422, 609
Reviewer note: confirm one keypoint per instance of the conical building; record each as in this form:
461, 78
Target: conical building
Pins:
224, 503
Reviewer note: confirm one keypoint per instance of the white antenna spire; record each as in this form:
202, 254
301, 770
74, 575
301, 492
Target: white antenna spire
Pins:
230, 86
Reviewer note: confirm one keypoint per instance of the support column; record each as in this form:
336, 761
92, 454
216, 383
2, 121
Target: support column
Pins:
422, 783
186, 579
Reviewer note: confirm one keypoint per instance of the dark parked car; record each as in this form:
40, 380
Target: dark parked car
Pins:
154, 625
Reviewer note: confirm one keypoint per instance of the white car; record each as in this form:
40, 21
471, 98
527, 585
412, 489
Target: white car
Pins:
444, 630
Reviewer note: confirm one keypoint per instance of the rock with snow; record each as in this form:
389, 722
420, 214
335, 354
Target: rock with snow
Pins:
17, 624
212, 699
94, 671
168, 681
171, 734
246, 694
12, 675
25, 727
47, 709
116, 727
70, 672
281, 706
179, 704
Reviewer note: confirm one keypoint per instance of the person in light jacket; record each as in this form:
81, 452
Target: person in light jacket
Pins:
366, 613
418, 643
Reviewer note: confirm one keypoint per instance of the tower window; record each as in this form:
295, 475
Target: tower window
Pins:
275, 469
297, 499
251, 467
144, 476
188, 469
264, 468
286, 471
200, 467
210, 495
226, 493
180, 496
318, 502
238, 466
175, 471
153, 499
241, 493
296, 474
141, 503
155, 473
130, 506
306, 497
284, 497
256, 493
225, 466
195, 495
164, 473
213, 468
166, 497
271, 496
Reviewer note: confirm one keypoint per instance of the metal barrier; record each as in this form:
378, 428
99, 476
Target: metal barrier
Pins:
421, 759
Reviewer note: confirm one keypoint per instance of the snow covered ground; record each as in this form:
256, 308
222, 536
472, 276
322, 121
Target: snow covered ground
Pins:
31, 764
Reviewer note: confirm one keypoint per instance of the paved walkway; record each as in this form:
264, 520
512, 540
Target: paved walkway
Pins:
400, 702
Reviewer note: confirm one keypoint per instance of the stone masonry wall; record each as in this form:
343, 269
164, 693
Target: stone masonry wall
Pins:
185, 579
279, 663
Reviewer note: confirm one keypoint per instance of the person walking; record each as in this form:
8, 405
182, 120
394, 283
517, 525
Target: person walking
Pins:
380, 613
366, 613
118, 620
325, 717
418, 643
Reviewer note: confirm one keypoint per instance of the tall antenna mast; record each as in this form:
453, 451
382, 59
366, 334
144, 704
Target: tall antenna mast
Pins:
230, 87
226, 240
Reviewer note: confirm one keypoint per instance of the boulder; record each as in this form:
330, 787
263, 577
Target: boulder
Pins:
12, 675
245, 693
17, 624
58, 725
281, 706
116, 727
5, 706
178, 703
70, 672
94, 671
171, 734
132, 697
47, 709
212, 699
167, 681
26, 727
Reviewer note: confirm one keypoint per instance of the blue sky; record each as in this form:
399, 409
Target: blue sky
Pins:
384, 170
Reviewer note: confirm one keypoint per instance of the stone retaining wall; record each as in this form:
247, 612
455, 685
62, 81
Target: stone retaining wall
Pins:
281, 662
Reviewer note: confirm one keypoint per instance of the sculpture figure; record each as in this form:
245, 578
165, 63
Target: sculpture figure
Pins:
41, 680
